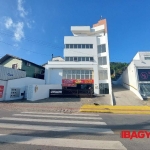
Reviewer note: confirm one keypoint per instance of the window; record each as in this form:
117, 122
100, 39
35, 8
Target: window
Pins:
67, 45
83, 58
87, 46
87, 58
104, 88
83, 45
75, 45
79, 58
71, 45
79, 45
103, 75
82, 74
75, 58
91, 59
102, 61
66, 58
101, 48
86, 74
14, 66
73, 74
147, 58
71, 58
91, 45
77, 74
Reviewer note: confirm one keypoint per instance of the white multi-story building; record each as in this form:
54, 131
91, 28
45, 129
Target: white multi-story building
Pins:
136, 77
86, 56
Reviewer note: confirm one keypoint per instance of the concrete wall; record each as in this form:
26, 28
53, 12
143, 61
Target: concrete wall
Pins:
37, 92
20, 84
3, 83
129, 79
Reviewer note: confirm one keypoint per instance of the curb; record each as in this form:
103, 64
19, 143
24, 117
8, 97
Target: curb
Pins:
116, 109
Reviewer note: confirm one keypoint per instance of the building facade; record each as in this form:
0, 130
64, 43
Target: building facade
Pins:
136, 77
86, 64
31, 69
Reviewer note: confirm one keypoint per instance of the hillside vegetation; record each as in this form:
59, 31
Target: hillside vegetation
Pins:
116, 69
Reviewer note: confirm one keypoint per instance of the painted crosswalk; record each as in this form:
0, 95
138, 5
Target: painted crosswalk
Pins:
61, 123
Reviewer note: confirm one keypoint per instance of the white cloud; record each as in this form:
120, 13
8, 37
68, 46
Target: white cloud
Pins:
8, 22
18, 32
22, 11
29, 25
16, 28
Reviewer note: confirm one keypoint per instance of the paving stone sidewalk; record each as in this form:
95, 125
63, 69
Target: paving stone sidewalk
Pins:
66, 105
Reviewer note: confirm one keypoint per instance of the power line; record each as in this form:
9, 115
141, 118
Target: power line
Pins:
24, 49
34, 41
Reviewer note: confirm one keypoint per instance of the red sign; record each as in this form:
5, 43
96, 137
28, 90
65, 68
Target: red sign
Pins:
73, 82
1, 91
135, 134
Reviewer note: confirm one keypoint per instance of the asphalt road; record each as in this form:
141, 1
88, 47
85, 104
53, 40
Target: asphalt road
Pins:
59, 131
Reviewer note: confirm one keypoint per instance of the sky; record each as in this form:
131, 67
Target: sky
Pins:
35, 29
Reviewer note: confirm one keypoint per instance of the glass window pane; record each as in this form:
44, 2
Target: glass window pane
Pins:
103, 48
82, 71
91, 45
67, 45
83, 45
82, 76
104, 61
79, 45
86, 76
69, 72
87, 58
71, 58
83, 58
91, 59
66, 58
73, 72
68, 76
75, 58
78, 71
79, 58
77, 76
73, 76
87, 46
75, 45
87, 71
71, 45
90, 76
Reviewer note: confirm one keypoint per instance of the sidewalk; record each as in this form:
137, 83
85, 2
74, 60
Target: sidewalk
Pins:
125, 97
66, 105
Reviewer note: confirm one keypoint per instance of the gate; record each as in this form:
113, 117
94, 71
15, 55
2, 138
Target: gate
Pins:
70, 93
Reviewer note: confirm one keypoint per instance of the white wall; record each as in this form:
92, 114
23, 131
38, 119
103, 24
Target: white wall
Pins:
55, 76
80, 52
129, 79
37, 92
21, 84
3, 83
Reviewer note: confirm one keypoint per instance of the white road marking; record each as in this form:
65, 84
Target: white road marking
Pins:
54, 121
60, 142
51, 113
57, 128
54, 116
